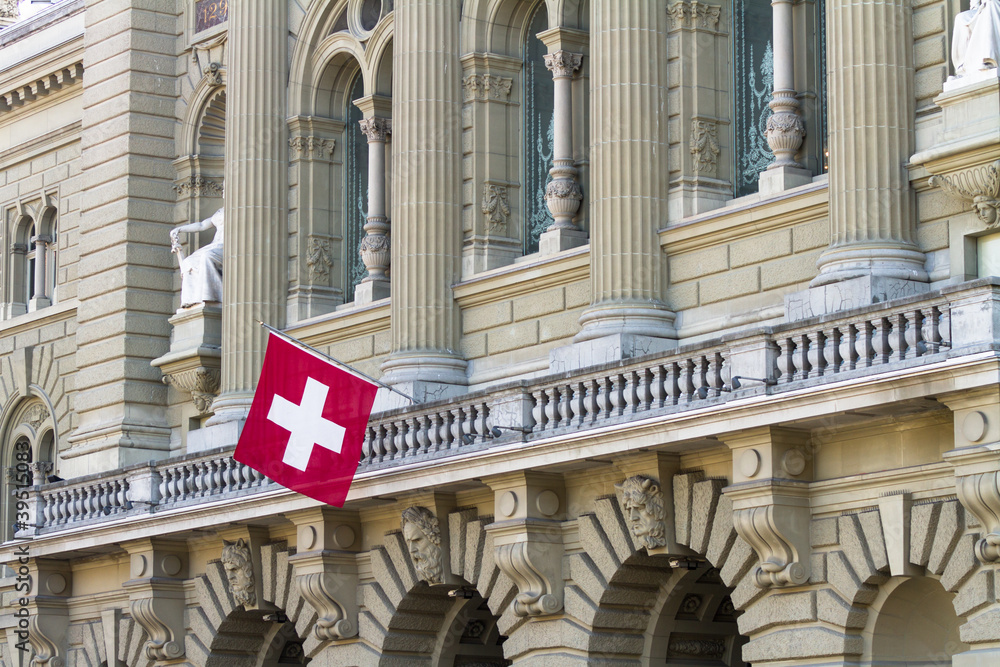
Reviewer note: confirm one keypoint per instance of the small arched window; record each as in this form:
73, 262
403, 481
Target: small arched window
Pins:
539, 125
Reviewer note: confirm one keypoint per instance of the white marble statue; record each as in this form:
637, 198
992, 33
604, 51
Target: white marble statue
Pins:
201, 272
976, 44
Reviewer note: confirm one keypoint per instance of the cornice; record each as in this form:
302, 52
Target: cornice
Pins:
37, 89
521, 279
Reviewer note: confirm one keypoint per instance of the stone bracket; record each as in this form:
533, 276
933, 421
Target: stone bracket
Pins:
530, 551
159, 608
48, 624
773, 517
329, 581
977, 481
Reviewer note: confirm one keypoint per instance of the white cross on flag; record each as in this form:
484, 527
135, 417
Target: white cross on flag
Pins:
306, 423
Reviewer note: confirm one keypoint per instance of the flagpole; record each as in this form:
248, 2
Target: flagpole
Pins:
340, 363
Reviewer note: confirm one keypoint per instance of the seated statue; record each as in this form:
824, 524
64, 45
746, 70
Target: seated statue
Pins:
201, 272
976, 43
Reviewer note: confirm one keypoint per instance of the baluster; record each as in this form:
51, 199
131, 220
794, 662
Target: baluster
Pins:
433, 432
246, 475
538, 411
715, 374
672, 384
786, 360
209, 468
863, 345
423, 435
173, 483
831, 351
645, 378
565, 401
399, 443
77, 503
658, 388
701, 373
848, 354
198, 478
445, 429
481, 427
897, 340
90, 506
57, 503
457, 430
630, 392
389, 440
880, 341
929, 337
815, 355
47, 509
125, 494
552, 407
801, 357
944, 326
914, 333
218, 475
685, 381
616, 394
578, 404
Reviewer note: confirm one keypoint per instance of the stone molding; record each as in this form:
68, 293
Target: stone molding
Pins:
496, 207
979, 186
38, 89
694, 16
486, 87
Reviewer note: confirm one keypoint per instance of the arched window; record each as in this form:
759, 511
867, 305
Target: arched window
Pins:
355, 191
539, 124
29, 437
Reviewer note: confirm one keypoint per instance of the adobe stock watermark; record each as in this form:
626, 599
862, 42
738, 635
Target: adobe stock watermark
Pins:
21, 482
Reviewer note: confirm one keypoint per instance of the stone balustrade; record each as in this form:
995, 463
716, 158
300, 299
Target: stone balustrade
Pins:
954, 321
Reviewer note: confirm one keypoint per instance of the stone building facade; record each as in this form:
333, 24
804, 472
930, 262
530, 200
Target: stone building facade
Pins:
698, 301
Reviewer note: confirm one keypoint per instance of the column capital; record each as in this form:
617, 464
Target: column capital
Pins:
563, 64
376, 129
41, 239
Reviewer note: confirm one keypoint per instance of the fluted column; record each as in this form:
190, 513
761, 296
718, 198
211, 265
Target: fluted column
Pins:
628, 170
872, 218
427, 179
785, 128
255, 274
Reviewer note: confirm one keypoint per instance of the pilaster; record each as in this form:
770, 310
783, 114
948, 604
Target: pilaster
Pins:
628, 204
120, 401
255, 263
315, 216
872, 211
427, 210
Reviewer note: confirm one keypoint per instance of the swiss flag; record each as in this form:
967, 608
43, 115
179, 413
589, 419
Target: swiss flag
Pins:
307, 423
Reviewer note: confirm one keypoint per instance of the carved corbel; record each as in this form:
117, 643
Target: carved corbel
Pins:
156, 595
530, 566
979, 186
46, 634
980, 494
159, 618
326, 570
773, 517
46, 613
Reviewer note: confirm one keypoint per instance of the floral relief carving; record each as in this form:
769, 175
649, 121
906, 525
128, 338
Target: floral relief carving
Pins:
36, 415
319, 259
213, 74
486, 87
313, 146
979, 186
563, 63
705, 146
694, 15
200, 186
496, 206
376, 129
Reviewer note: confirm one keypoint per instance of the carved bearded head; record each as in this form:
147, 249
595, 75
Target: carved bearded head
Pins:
642, 502
423, 539
239, 571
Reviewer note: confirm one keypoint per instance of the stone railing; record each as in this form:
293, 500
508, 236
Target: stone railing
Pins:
919, 329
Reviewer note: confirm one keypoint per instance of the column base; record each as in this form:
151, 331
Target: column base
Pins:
607, 349
848, 294
557, 240
779, 179
38, 304
898, 261
373, 290
648, 319
230, 407
425, 377
226, 434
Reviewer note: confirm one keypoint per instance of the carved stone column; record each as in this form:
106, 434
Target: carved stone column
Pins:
628, 172
375, 246
563, 194
156, 595
785, 128
427, 179
872, 217
256, 256
41, 299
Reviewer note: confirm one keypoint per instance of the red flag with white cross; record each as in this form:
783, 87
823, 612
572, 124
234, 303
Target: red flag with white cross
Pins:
307, 422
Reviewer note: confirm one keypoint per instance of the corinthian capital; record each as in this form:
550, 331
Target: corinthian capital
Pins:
563, 63
376, 129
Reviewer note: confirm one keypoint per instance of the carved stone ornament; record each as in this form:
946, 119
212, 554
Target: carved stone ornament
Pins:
8, 9
422, 534
979, 186
35, 415
980, 494
199, 185
563, 63
162, 644
694, 15
319, 259
785, 130
762, 528
563, 188
213, 74
202, 383
535, 592
705, 146
496, 206
486, 87
238, 563
319, 589
713, 649
376, 129
642, 504
45, 633
313, 146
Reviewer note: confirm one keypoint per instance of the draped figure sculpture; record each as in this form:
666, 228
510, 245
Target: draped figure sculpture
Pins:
201, 271
976, 44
